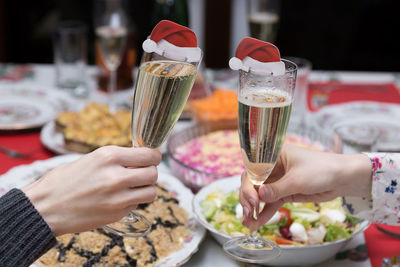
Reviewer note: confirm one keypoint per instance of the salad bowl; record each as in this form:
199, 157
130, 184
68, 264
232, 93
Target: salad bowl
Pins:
290, 255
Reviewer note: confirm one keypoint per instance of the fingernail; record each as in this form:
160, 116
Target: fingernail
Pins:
246, 211
266, 192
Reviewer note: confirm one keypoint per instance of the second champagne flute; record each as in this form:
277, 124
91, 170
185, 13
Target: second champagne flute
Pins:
266, 86
111, 37
164, 82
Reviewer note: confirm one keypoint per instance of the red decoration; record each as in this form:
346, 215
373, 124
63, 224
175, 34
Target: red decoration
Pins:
258, 50
174, 33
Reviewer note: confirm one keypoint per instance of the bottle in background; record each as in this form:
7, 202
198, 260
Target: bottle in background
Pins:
173, 10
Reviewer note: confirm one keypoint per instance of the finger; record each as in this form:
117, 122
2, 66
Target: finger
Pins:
248, 190
284, 187
130, 157
252, 224
139, 177
140, 157
268, 211
136, 196
247, 208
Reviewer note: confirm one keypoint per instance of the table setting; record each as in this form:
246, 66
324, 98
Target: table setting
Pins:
34, 145
53, 114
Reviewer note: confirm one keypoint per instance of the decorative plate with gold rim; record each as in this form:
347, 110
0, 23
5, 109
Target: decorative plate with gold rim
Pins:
25, 174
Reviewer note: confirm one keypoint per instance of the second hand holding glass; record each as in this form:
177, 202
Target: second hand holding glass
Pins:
266, 86
164, 82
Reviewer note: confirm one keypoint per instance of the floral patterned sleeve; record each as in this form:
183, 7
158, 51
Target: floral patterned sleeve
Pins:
385, 187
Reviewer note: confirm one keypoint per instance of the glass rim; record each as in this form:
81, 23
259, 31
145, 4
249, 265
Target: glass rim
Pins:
172, 59
301, 62
71, 26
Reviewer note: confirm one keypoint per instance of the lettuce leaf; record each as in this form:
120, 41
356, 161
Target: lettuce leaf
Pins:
334, 232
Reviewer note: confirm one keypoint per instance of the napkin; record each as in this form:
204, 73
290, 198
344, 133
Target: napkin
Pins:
334, 92
25, 143
380, 245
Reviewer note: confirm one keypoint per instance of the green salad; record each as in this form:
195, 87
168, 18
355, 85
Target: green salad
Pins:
293, 224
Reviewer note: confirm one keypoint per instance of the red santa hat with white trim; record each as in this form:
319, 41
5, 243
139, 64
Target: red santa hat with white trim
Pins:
174, 41
258, 57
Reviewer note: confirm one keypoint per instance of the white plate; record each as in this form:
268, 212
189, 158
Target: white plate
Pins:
382, 115
29, 106
54, 140
25, 174
291, 255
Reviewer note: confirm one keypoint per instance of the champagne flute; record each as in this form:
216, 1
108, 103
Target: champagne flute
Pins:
263, 19
162, 88
111, 38
265, 103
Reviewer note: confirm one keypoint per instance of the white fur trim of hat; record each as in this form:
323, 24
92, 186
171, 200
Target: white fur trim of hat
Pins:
165, 48
257, 67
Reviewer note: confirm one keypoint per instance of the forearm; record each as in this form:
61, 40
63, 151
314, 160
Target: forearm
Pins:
24, 235
355, 175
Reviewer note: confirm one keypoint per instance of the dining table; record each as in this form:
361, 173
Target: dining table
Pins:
325, 88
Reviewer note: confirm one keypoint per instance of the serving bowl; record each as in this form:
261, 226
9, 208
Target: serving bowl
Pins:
290, 255
195, 178
190, 176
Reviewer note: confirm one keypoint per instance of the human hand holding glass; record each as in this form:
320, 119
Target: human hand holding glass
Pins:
164, 82
305, 175
265, 100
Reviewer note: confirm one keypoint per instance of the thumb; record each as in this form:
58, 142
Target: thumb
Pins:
275, 191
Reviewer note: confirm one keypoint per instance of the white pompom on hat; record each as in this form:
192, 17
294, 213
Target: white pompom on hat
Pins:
257, 56
174, 41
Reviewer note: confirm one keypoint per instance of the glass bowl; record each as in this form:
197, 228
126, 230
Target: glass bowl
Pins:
192, 177
195, 179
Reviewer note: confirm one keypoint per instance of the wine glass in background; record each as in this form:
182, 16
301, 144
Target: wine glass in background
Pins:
265, 103
111, 37
263, 18
299, 108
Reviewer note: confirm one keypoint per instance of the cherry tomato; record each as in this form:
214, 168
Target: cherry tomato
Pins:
285, 213
282, 241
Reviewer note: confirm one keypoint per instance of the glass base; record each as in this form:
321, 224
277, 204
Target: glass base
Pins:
132, 225
252, 250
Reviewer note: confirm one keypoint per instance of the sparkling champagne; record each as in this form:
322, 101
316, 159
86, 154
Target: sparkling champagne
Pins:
161, 92
112, 43
263, 119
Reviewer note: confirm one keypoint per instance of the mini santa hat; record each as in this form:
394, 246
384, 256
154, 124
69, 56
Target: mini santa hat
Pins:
173, 41
258, 56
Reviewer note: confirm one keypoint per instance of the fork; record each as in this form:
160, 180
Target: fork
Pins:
13, 153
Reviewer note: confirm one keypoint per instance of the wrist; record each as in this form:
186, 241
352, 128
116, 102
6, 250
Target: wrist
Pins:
40, 200
355, 172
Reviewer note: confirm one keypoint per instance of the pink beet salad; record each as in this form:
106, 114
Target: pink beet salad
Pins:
219, 152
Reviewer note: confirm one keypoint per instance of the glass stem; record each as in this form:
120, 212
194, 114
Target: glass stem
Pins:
253, 236
111, 89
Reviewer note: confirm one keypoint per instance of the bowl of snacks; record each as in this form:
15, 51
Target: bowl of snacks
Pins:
308, 233
219, 110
